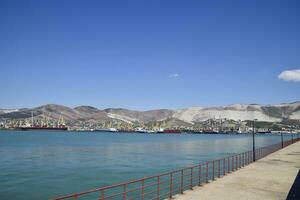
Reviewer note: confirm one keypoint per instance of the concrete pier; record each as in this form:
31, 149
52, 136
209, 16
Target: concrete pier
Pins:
268, 178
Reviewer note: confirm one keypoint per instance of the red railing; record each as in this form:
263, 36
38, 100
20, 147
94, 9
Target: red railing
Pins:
166, 185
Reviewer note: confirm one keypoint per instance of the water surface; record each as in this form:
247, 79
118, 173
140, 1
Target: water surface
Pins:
41, 165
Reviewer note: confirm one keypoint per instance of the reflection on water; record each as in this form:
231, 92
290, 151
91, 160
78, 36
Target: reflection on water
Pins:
42, 165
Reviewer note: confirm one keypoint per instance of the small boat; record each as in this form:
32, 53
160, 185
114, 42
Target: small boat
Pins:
169, 131
106, 130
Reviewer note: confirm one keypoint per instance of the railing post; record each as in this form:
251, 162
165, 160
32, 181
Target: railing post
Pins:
181, 183
191, 187
236, 162
250, 154
219, 168
206, 172
224, 167
143, 191
213, 170
102, 194
281, 140
158, 186
124, 192
242, 160
232, 164
171, 186
199, 182
228, 165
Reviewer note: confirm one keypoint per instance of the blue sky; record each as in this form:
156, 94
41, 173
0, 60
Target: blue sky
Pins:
147, 54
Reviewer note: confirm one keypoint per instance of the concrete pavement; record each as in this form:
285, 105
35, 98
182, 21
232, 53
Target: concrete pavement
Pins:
268, 178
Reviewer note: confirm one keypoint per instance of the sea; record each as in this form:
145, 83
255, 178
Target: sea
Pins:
43, 165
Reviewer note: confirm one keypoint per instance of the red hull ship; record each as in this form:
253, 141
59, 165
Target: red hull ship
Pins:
44, 125
43, 128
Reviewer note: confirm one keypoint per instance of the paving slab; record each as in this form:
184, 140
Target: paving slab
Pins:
269, 178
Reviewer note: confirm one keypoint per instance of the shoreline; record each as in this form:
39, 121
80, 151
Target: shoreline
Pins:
134, 132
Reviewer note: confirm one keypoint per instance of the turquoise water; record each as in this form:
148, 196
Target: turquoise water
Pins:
41, 165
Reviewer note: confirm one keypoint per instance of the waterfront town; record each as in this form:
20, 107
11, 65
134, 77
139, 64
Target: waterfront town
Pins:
169, 125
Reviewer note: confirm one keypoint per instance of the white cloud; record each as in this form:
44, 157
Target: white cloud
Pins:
290, 75
173, 75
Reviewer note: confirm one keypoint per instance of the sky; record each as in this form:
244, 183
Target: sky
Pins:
148, 54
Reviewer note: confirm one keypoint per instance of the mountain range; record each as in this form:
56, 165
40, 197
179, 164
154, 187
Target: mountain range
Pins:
269, 113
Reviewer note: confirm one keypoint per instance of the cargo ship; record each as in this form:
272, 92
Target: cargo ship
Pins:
37, 128
44, 126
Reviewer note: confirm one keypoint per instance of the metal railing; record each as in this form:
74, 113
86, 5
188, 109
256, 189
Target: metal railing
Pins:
168, 184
